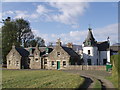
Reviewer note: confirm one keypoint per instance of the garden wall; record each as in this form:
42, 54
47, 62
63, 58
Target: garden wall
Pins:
85, 67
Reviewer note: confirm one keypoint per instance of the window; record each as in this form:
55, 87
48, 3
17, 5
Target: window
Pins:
97, 62
64, 63
52, 62
17, 63
58, 53
9, 62
88, 51
45, 61
36, 59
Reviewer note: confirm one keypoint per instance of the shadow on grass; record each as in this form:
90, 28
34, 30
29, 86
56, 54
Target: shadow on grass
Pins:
85, 85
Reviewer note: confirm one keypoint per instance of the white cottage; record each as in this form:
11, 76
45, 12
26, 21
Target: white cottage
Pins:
95, 53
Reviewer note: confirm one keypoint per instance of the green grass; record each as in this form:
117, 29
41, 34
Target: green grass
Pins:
40, 79
97, 85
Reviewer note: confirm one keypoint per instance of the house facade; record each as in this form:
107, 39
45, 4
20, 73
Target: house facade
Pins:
17, 58
58, 57
95, 53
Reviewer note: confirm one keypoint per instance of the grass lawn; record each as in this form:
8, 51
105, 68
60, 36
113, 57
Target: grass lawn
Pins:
40, 79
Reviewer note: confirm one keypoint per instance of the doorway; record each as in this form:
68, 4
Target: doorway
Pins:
58, 65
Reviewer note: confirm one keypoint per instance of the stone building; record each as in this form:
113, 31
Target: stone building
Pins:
17, 58
58, 57
62, 56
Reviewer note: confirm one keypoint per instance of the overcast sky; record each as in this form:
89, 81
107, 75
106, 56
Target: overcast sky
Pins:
67, 20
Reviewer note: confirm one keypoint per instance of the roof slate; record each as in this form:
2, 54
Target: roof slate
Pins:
103, 46
70, 51
23, 52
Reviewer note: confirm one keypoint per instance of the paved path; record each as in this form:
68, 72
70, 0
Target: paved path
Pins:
91, 76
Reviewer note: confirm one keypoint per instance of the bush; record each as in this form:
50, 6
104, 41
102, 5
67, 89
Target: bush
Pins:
115, 60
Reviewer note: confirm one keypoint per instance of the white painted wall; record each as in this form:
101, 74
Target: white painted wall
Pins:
108, 56
103, 55
93, 55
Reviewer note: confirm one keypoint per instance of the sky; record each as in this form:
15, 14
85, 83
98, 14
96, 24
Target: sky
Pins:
67, 20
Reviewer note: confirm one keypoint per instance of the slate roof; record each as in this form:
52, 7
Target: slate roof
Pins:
70, 51
23, 52
103, 46
90, 39
90, 36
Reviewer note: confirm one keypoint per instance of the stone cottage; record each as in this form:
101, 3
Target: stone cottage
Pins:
17, 58
57, 57
61, 57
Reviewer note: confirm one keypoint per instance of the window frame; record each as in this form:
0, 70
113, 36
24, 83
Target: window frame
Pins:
89, 52
52, 63
17, 63
58, 53
45, 61
64, 63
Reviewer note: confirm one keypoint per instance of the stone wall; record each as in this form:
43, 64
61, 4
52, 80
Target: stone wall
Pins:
85, 67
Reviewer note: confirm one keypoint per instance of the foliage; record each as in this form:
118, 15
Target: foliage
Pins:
40, 79
14, 31
9, 36
37, 40
115, 60
23, 31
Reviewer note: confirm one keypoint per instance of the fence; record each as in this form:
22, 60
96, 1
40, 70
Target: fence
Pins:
85, 67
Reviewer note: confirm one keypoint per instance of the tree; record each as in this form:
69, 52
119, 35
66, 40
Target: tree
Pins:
14, 31
9, 36
23, 31
40, 41
37, 40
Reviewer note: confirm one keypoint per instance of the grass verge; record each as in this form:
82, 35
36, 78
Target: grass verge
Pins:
40, 79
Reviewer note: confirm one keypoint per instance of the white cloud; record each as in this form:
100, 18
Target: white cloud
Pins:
42, 9
62, 12
77, 37
68, 13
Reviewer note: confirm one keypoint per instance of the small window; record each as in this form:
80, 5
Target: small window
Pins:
88, 51
45, 61
17, 63
64, 63
9, 62
58, 53
36, 59
52, 62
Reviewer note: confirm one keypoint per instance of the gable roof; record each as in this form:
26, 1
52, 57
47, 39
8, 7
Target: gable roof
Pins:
23, 52
103, 46
70, 51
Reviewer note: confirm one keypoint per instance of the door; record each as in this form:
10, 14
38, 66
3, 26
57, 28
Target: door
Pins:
104, 61
89, 61
58, 65
41, 63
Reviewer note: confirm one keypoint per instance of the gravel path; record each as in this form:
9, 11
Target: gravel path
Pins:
91, 75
